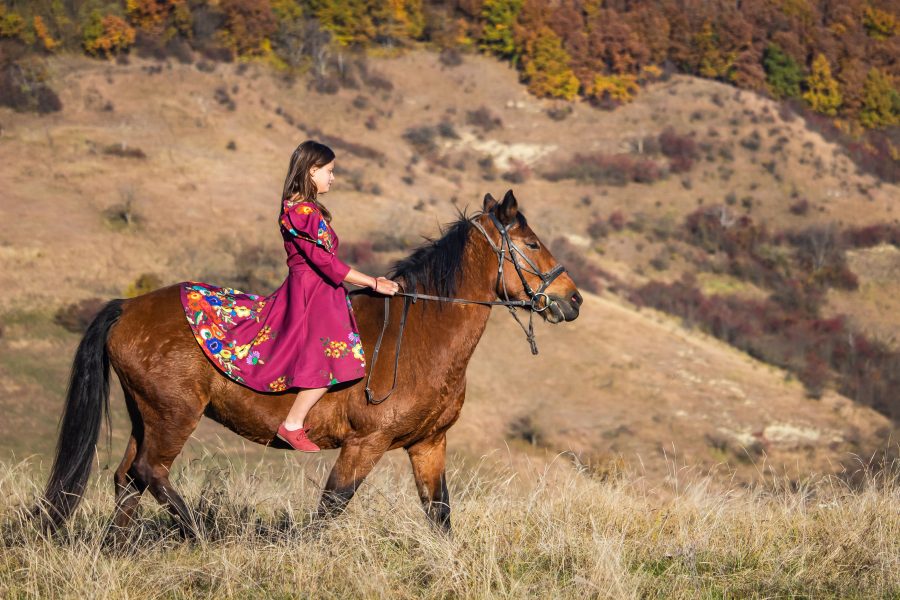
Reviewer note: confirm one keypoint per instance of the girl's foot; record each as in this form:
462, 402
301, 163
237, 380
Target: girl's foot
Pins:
296, 439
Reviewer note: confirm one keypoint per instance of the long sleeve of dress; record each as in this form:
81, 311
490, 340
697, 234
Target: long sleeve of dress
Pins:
312, 236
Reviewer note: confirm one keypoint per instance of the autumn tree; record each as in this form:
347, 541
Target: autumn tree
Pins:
157, 18
398, 20
348, 21
249, 23
823, 93
545, 67
783, 74
107, 34
497, 33
881, 102
710, 59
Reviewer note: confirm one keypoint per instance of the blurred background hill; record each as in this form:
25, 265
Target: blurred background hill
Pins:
721, 182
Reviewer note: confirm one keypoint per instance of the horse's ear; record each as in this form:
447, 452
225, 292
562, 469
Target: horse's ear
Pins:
508, 209
489, 203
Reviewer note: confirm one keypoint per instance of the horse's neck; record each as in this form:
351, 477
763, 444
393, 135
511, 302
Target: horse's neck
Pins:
458, 327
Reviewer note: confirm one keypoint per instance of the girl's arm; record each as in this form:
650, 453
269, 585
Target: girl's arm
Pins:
303, 225
379, 284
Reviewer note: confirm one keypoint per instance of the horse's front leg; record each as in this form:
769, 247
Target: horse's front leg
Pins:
428, 458
353, 464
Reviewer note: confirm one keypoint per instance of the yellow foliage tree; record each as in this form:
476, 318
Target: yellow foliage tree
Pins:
546, 67
43, 34
618, 88
711, 61
881, 102
107, 34
823, 93
11, 23
880, 24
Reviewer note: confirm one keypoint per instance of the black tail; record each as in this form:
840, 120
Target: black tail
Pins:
87, 402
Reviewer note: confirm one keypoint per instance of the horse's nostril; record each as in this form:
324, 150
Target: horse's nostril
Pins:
577, 299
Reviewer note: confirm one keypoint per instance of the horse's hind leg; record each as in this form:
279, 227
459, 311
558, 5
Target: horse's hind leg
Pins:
428, 459
129, 486
162, 443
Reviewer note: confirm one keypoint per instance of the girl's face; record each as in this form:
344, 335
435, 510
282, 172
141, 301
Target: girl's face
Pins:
323, 177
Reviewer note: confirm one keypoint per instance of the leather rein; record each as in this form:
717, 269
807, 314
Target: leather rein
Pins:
506, 251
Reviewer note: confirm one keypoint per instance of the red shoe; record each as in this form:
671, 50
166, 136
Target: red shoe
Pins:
296, 439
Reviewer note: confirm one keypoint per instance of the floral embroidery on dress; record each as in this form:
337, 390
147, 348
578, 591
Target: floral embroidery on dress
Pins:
279, 385
324, 237
209, 309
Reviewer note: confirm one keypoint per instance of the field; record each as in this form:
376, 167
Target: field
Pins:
635, 456
551, 531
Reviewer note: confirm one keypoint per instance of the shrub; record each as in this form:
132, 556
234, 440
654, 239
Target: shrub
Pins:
752, 142
145, 283
618, 169
450, 57
222, 96
422, 139
124, 151
800, 208
617, 220
819, 251
446, 130
872, 235
598, 229
560, 112
527, 429
483, 119
377, 81
680, 149
76, 317
122, 215
23, 87
519, 172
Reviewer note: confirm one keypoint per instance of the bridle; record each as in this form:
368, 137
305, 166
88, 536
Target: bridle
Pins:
506, 251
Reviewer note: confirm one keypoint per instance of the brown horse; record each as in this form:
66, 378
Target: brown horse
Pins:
169, 384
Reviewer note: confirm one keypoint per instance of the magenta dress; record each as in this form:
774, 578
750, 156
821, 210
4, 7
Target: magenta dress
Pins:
302, 335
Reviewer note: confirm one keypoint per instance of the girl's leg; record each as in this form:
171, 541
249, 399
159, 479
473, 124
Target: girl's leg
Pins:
305, 400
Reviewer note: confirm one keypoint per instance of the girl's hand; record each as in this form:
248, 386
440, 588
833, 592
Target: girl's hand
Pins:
386, 286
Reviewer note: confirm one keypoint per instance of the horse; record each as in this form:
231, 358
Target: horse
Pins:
169, 384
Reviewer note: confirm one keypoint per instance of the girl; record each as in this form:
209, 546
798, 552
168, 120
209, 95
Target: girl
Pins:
304, 335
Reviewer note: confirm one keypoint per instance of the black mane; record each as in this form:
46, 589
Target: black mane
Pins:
433, 267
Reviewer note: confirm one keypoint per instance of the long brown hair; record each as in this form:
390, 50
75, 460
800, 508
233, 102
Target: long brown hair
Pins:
299, 182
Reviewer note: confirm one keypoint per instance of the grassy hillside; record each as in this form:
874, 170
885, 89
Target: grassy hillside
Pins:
173, 172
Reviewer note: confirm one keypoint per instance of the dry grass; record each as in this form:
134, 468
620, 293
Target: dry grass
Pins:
557, 534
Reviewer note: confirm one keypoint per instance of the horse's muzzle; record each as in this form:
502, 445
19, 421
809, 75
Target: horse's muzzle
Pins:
562, 309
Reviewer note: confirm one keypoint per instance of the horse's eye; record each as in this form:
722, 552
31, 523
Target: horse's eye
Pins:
533, 245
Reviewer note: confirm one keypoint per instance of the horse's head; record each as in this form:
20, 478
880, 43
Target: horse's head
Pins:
529, 271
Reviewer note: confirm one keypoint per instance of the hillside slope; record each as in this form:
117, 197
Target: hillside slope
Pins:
82, 214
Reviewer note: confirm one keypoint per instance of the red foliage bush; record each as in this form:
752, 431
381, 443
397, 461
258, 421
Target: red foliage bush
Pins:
76, 317
816, 350
610, 169
715, 229
617, 220
680, 149
872, 235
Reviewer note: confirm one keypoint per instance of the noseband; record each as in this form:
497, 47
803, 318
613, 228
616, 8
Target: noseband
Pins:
506, 251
